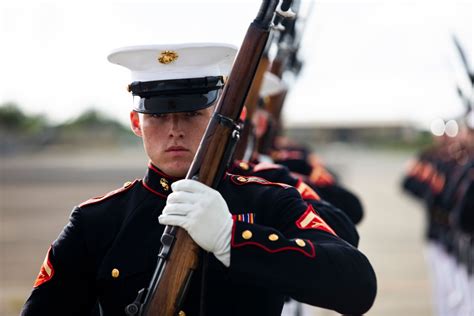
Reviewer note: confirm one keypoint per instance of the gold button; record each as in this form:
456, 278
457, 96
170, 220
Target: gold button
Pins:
181, 313
300, 242
126, 184
273, 237
247, 234
242, 179
115, 273
244, 165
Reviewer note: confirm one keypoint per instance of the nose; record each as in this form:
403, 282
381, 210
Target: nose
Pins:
176, 126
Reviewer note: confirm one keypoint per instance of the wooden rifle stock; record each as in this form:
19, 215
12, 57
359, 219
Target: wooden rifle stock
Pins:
254, 93
277, 66
274, 106
251, 105
179, 256
274, 103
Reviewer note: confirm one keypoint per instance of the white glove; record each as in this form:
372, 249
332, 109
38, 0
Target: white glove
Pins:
203, 213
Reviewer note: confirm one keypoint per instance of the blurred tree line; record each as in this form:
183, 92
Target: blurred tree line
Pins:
12, 119
22, 132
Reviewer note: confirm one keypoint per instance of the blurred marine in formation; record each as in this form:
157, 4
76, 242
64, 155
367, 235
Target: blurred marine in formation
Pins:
233, 241
443, 178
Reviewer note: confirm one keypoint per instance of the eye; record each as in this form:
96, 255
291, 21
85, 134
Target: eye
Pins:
161, 115
192, 114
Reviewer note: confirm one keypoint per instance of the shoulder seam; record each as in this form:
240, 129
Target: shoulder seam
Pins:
108, 195
256, 180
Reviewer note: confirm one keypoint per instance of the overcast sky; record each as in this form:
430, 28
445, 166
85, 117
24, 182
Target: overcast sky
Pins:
380, 60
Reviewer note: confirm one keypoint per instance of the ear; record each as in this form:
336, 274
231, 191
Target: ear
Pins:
135, 123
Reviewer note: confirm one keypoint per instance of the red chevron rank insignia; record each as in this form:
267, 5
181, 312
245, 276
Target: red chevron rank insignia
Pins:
311, 220
46, 272
306, 191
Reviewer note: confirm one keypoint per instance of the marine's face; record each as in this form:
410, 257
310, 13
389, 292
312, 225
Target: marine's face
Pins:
171, 140
260, 121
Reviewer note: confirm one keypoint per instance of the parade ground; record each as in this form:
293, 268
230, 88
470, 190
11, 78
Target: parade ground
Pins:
39, 190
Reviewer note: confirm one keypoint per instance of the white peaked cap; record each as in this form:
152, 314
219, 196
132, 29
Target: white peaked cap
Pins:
271, 85
191, 60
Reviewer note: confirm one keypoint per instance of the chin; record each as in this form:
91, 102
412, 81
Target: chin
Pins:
178, 174
177, 170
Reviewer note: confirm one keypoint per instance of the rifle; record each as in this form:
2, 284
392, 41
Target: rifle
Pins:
178, 258
286, 45
244, 148
467, 97
248, 142
285, 59
246, 145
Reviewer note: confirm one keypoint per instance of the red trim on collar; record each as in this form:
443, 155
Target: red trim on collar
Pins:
153, 191
161, 173
311, 254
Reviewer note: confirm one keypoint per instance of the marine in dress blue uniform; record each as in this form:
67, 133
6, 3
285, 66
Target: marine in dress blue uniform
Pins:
303, 164
264, 241
297, 158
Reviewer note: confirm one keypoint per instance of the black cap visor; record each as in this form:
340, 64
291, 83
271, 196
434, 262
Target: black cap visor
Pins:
172, 96
175, 103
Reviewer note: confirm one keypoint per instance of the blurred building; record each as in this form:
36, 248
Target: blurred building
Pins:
379, 132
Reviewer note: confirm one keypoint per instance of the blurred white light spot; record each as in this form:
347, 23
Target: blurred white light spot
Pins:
451, 128
437, 127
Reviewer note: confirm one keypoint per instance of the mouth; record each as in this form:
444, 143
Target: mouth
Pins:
172, 149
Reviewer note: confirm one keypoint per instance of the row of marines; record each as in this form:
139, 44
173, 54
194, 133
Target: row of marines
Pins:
442, 178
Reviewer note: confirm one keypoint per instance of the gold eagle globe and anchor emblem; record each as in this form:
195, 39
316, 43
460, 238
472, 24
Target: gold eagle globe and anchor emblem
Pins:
164, 184
168, 56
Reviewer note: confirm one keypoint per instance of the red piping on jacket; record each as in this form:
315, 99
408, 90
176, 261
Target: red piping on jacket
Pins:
309, 255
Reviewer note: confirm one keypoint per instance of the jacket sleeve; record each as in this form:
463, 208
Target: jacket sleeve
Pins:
337, 220
65, 284
296, 253
343, 199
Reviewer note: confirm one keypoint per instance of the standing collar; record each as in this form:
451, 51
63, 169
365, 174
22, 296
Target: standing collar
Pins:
158, 182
